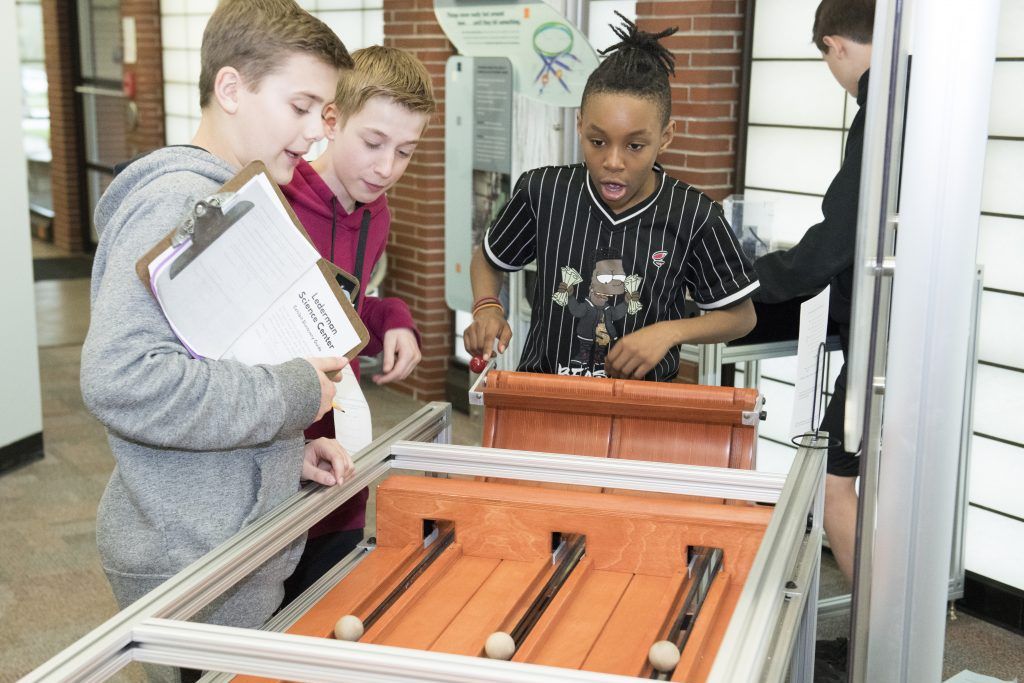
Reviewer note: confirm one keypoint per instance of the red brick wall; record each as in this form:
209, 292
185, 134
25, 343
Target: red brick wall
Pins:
148, 73
416, 248
60, 40
706, 88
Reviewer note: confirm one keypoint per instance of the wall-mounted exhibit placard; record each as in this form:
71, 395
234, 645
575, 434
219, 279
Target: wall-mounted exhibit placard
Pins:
551, 58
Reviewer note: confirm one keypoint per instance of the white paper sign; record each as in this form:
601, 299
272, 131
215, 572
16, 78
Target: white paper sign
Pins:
813, 324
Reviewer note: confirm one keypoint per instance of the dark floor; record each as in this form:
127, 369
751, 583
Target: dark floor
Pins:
52, 590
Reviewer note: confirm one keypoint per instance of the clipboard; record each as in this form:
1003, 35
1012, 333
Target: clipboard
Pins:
206, 221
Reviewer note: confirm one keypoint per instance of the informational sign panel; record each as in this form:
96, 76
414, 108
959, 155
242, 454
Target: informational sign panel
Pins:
478, 162
551, 58
492, 115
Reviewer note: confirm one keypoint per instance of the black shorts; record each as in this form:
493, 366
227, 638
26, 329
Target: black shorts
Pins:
841, 462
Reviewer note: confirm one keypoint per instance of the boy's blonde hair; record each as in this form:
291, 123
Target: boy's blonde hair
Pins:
384, 72
257, 36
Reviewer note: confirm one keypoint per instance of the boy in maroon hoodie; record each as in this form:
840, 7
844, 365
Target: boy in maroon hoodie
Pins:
379, 113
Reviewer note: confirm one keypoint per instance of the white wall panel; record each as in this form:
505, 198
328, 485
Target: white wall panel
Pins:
792, 159
180, 129
600, 18
196, 25
1010, 42
795, 94
997, 470
340, 4
176, 66
999, 403
201, 6
782, 28
773, 457
783, 369
793, 214
1007, 114
993, 547
1001, 338
1004, 178
347, 25
176, 98
779, 404
173, 33
1000, 246
373, 27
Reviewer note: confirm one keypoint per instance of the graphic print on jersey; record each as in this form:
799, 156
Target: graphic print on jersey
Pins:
596, 316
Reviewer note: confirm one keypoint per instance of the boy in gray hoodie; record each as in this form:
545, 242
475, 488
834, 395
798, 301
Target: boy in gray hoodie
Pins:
204, 447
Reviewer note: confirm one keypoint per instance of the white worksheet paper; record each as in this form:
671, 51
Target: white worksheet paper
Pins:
255, 294
813, 325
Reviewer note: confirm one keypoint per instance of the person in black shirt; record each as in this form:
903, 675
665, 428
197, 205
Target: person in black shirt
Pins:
824, 255
618, 243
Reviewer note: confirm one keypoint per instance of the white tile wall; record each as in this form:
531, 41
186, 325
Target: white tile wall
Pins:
1010, 42
1007, 114
1001, 337
773, 457
1000, 246
782, 29
601, 16
991, 543
794, 94
999, 404
997, 469
1004, 177
792, 159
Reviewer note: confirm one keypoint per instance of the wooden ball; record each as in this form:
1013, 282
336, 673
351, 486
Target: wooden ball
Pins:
349, 627
500, 645
663, 656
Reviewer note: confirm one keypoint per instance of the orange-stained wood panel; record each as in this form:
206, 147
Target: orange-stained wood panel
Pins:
496, 606
624, 533
419, 622
666, 422
641, 617
568, 629
379, 572
424, 582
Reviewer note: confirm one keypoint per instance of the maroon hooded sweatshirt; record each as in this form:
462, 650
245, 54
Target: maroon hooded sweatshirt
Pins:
336, 234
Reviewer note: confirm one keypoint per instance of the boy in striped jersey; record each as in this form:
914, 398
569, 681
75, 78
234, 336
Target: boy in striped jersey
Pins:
618, 243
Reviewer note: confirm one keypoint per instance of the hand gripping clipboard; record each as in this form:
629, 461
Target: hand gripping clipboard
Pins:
206, 222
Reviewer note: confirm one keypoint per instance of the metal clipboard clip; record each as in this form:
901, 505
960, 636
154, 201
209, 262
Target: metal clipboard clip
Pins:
204, 224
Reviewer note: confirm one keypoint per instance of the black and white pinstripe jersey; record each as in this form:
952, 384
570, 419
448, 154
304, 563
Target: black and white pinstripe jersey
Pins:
602, 275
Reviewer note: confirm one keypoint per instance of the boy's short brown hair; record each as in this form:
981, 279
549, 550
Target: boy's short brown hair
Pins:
256, 36
853, 19
384, 72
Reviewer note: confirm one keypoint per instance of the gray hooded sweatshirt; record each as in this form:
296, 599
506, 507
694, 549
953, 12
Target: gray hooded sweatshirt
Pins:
202, 447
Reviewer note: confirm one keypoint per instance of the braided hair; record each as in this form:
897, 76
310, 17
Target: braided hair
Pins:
638, 65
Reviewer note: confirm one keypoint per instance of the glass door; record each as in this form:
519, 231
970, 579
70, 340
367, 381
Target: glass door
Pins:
104, 113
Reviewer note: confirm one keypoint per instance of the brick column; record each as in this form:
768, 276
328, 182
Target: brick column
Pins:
706, 88
416, 247
149, 78
60, 41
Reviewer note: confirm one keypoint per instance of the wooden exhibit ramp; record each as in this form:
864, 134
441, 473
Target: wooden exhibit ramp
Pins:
632, 419
619, 595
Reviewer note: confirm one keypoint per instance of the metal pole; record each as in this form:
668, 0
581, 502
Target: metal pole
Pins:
928, 343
